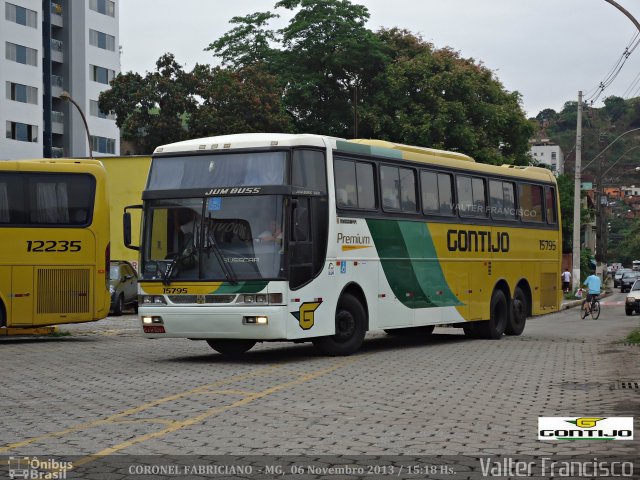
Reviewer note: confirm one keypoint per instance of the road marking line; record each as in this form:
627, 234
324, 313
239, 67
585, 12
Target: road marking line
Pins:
154, 403
210, 413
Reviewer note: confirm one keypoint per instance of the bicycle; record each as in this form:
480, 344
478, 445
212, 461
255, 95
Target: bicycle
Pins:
592, 309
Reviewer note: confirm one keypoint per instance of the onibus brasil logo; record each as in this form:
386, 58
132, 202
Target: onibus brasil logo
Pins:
585, 428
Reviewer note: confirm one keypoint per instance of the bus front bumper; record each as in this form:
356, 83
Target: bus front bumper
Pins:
266, 322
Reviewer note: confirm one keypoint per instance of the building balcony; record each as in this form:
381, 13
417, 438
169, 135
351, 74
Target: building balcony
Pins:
56, 14
56, 50
57, 83
57, 122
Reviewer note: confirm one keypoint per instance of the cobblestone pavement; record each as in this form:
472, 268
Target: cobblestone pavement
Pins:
104, 390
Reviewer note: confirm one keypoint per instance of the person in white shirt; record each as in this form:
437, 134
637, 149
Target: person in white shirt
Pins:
566, 280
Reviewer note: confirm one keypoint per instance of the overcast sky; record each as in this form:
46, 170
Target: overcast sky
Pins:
545, 49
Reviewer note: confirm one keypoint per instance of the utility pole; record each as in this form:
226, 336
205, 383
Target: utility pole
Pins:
576, 198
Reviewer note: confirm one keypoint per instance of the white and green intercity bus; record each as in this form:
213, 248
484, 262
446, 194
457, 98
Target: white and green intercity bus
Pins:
270, 237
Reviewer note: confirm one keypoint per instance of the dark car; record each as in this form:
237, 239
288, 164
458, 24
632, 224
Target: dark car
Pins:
627, 281
123, 285
618, 275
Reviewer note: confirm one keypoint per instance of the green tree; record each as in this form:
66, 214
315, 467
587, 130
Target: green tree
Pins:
243, 100
328, 59
248, 43
435, 98
566, 195
151, 110
614, 108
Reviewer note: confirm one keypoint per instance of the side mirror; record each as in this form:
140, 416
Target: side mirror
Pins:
126, 227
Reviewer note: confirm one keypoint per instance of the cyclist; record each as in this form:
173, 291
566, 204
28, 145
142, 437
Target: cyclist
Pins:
593, 284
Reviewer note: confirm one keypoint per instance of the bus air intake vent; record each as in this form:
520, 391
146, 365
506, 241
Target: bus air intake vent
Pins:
63, 290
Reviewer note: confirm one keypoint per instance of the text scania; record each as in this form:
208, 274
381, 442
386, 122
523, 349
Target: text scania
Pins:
477, 241
233, 191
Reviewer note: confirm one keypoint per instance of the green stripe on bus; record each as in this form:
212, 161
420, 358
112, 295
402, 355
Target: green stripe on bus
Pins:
357, 148
410, 264
242, 287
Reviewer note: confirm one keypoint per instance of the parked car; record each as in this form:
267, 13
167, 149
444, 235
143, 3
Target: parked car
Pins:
632, 303
123, 285
618, 276
627, 281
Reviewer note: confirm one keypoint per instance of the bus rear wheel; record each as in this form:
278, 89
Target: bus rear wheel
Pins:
350, 328
518, 317
231, 347
493, 328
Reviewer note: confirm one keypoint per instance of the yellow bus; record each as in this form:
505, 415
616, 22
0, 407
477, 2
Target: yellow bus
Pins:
271, 237
54, 242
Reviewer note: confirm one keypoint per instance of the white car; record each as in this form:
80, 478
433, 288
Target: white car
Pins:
632, 304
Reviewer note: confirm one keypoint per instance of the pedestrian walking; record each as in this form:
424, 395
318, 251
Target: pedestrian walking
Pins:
566, 280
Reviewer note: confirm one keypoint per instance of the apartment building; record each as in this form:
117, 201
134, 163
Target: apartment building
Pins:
51, 47
545, 152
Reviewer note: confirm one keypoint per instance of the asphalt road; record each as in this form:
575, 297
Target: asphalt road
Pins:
102, 390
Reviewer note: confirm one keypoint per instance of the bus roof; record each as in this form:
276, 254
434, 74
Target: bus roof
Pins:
16, 164
378, 148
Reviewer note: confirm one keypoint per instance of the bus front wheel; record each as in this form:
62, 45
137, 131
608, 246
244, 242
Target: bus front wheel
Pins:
231, 347
350, 328
518, 317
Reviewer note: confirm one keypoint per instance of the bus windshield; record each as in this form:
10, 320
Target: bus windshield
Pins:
214, 238
219, 170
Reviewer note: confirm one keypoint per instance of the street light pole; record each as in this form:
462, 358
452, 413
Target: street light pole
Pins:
65, 96
576, 199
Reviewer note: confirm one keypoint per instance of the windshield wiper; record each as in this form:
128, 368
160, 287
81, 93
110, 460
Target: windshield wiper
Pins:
226, 269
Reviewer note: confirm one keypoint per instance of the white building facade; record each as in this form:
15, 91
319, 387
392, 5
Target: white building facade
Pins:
549, 154
49, 47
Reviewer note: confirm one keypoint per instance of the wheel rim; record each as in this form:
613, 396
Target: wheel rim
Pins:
345, 326
519, 310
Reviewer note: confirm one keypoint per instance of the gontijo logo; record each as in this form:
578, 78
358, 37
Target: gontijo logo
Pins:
585, 428
306, 314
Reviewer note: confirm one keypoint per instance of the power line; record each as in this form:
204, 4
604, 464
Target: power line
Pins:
615, 70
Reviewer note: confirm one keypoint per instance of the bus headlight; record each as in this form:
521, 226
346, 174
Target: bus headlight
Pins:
152, 300
262, 298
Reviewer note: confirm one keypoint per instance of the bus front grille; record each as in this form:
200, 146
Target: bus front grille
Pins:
199, 299
63, 290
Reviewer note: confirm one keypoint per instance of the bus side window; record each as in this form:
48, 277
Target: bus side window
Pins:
345, 179
550, 200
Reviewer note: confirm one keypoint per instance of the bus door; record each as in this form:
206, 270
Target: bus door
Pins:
22, 296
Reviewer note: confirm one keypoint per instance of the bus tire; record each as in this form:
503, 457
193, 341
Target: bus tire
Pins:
493, 328
119, 306
627, 310
3, 318
407, 331
231, 347
350, 328
518, 314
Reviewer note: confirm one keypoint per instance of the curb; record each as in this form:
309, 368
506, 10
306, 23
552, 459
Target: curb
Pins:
575, 303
